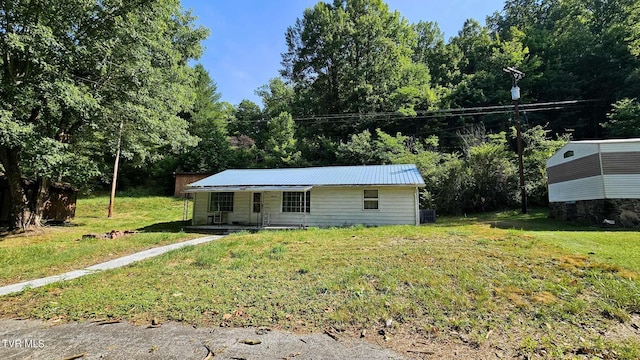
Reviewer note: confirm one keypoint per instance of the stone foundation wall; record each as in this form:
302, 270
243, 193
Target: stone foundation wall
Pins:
625, 212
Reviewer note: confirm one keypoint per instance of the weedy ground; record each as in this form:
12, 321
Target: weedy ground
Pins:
501, 284
52, 250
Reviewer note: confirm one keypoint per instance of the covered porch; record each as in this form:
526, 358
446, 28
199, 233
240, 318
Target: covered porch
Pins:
248, 208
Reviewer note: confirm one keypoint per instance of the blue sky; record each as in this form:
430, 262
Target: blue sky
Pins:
247, 36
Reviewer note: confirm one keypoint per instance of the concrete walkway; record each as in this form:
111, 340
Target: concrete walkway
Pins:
111, 264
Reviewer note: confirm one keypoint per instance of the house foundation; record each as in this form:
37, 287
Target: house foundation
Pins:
622, 212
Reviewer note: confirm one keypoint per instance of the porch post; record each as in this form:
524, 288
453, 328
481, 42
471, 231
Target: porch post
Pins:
304, 209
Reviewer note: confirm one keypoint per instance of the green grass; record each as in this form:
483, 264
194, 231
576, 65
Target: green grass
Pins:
502, 280
56, 249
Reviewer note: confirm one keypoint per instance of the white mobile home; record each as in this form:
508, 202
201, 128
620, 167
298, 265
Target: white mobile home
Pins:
315, 196
596, 180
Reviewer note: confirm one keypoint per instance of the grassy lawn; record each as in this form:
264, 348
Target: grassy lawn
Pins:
56, 249
505, 281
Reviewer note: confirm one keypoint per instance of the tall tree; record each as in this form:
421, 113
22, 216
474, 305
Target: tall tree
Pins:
208, 121
248, 121
281, 145
277, 97
72, 71
353, 56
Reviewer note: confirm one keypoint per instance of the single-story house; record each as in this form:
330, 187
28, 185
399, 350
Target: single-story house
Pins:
596, 180
314, 196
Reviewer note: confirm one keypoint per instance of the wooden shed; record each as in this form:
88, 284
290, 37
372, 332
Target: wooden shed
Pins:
594, 180
185, 178
60, 206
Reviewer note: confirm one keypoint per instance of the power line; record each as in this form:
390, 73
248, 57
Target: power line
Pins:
442, 113
472, 111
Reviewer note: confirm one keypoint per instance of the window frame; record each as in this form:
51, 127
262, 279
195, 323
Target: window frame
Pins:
370, 200
226, 198
294, 204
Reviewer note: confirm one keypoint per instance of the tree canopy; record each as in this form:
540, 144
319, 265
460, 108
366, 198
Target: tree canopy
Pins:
72, 71
359, 84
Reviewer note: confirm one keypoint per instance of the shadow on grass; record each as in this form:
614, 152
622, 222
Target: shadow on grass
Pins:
171, 226
535, 220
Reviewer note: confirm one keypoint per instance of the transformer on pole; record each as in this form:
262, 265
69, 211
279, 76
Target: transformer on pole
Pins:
516, 75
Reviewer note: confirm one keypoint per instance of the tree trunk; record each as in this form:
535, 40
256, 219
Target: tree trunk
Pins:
27, 205
115, 172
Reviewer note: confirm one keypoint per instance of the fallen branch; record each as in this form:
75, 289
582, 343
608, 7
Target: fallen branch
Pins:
333, 336
426, 352
210, 353
78, 356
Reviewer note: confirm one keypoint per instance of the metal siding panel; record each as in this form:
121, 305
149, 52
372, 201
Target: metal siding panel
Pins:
632, 145
621, 163
580, 168
580, 189
622, 186
579, 150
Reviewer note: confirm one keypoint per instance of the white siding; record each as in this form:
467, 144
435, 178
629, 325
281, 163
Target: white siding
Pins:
622, 186
579, 151
620, 147
241, 208
337, 206
330, 206
200, 204
581, 189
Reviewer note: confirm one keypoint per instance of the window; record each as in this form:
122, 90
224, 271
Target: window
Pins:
568, 154
371, 199
293, 201
221, 201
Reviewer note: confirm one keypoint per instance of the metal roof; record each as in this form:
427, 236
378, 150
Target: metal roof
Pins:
369, 175
607, 141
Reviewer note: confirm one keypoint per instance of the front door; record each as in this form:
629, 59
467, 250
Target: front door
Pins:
256, 207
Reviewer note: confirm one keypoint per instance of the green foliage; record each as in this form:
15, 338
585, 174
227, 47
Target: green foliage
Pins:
538, 148
277, 97
491, 173
281, 150
624, 119
248, 121
354, 57
208, 121
72, 71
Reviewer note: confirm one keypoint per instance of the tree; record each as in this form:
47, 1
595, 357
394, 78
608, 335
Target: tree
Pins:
208, 121
281, 150
72, 71
248, 120
353, 56
359, 150
539, 147
583, 50
624, 119
277, 97
490, 179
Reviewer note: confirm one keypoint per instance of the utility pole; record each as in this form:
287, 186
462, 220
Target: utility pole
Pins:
516, 75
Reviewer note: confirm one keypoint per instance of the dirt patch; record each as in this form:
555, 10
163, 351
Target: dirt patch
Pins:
629, 330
